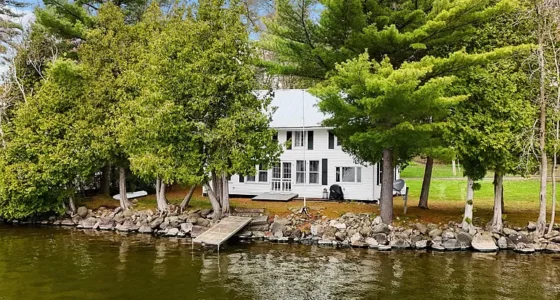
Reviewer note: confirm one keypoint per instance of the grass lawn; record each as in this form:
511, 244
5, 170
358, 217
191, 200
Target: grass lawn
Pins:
415, 169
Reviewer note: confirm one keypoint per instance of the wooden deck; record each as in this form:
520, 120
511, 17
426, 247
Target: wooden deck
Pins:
222, 231
270, 196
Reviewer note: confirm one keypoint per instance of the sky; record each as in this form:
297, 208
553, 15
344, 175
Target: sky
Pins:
27, 18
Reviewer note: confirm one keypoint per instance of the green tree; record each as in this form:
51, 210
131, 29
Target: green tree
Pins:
402, 31
110, 51
197, 119
50, 146
379, 109
488, 128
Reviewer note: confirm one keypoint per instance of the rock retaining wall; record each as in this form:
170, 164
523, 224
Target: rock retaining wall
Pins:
350, 230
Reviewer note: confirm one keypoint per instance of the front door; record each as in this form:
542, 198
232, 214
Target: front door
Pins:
282, 177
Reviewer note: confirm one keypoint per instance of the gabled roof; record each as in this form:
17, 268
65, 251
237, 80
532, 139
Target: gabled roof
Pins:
293, 107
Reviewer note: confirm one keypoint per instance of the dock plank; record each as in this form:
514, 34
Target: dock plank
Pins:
222, 231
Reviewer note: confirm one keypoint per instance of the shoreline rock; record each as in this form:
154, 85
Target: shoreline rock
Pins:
349, 230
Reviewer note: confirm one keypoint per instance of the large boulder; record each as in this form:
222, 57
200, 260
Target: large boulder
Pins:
277, 227
372, 243
203, 222
553, 247
524, 248
400, 243
502, 243
317, 230
145, 229
155, 223
532, 226
88, 223
355, 238
186, 227
205, 212
381, 238
67, 222
437, 246
106, 224
337, 225
517, 238
484, 243
339, 235
422, 228
82, 211
421, 244
172, 232
464, 240
365, 231
448, 235
509, 231
435, 232
452, 245
381, 228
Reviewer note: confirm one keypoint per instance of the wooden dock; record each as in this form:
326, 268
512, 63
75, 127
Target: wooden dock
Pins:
222, 231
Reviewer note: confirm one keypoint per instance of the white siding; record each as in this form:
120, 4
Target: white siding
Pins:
367, 189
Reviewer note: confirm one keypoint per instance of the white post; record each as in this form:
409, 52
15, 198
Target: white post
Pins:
454, 168
305, 145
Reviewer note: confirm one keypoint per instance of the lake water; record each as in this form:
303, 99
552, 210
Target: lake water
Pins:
57, 263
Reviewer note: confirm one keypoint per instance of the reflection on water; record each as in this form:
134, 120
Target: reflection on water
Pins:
54, 263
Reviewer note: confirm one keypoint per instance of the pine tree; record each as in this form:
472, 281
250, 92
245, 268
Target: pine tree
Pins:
395, 33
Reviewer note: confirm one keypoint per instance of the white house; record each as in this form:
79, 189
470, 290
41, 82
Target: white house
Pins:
315, 159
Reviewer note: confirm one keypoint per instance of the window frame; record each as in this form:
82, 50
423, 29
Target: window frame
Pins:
301, 172
261, 171
301, 136
317, 172
357, 174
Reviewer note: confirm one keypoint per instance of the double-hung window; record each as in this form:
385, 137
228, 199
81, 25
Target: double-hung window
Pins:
313, 171
263, 174
299, 139
348, 174
300, 171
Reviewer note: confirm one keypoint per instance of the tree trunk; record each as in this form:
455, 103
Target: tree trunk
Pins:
468, 217
161, 200
71, 204
225, 195
497, 224
553, 212
386, 202
423, 203
122, 188
158, 185
214, 201
188, 197
106, 179
217, 187
541, 222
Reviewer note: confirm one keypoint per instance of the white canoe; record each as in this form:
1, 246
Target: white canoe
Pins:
133, 195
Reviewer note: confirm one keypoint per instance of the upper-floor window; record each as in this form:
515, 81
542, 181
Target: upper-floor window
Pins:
299, 139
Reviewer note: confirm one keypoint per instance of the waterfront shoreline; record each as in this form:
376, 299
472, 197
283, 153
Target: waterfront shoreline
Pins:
348, 231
